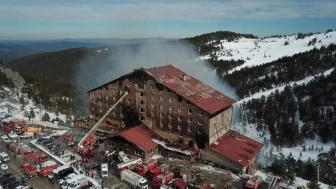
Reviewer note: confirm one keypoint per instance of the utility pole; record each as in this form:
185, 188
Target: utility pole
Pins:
318, 172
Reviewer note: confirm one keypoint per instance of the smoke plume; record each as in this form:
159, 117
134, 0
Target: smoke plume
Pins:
115, 62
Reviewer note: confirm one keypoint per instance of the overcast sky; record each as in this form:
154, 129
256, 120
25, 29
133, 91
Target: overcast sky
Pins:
56, 19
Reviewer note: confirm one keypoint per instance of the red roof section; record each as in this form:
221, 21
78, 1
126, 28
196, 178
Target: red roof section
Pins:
180, 183
139, 135
198, 93
237, 147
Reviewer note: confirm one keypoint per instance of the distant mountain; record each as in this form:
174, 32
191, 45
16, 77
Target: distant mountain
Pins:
10, 50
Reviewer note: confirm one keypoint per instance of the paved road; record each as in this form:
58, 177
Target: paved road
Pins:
14, 168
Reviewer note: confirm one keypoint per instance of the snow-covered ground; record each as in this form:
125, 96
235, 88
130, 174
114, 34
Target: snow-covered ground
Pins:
258, 51
12, 106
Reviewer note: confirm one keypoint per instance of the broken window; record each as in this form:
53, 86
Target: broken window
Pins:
159, 87
152, 97
152, 88
189, 111
114, 98
179, 98
161, 124
93, 94
188, 102
178, 118
100, 95
121, 92
200, 113
161, 98
107, 97
141, 86
141, 110
161, 107
142, 102
152, 105
127, 84
106, 88
170, 116
141, 94
189, 120
170, 99
170, 108
179, 127
142, 118
161, 114
199, 122
179, 109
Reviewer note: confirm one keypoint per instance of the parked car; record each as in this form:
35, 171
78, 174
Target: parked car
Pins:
4, 167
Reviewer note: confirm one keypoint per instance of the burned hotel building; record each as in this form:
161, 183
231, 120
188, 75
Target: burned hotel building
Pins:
178, 108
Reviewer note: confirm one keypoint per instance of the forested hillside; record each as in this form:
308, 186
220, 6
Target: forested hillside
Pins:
248, 81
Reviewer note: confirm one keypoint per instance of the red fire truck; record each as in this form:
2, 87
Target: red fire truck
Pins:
254, 182
162, 179
143, 169
162, 169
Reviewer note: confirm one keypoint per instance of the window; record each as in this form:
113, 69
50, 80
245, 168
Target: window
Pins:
114, 98
113, 91
152, 105
121, 115
179, 98
160, 87
106, 88
141, 94
170, 116
188, 102
93, 94
179, 118
161, 98
161, 124
161, 114
199, 122
161, 107
113, 114
179, 109
170, 99
142, 118
170, 108
121, 92
170, 126
152, 113
107, 97
179, 127
142, 102
141, 86
100, 95
129, 100
200, 113
189, 130
94, 102
141, 110
128, 85
152, 88
189, 111
189, 120
152, 97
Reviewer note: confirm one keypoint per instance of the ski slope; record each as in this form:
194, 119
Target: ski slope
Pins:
259, 51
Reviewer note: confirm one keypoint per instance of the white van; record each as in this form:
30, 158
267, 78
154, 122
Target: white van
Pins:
67, 179
27, 135
67, 183
104, 170
4, 137
77, 183
13, 136
58, 169
4, 157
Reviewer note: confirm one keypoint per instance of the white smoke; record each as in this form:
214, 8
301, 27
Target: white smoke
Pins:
109, 65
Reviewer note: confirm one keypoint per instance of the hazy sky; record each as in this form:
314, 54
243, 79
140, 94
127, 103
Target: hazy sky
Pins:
55, 19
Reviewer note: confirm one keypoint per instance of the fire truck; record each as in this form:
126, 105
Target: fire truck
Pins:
85, 145
162, 169
254, 182
29, 169
36, 157
143, 169
162, 179
127, 164
20, 149
47, 167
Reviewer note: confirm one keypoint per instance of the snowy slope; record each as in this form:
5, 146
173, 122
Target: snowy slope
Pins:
259, 51
12, 106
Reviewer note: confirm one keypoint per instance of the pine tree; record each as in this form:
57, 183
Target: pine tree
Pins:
32, 113
46, 117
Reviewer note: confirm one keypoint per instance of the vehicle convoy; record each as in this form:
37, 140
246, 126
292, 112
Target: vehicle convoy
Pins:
36, 157
254, 182
143, 169
134, 180
162, 179
85, 145
161, 169
125, 165
29, 170
4, 157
